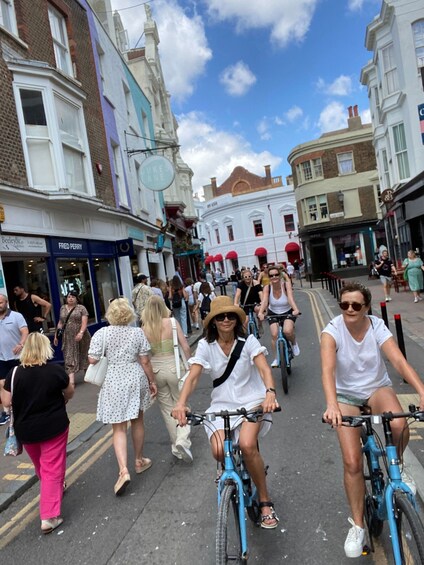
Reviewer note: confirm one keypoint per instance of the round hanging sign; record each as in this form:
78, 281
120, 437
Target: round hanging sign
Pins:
157, 173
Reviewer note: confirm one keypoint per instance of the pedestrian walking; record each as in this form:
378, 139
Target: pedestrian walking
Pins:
414, 267
140, 294
33, 308
41, 424
177, 298
386, 271
13, 333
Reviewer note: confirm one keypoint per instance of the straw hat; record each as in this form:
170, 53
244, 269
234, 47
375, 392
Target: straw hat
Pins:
222, 305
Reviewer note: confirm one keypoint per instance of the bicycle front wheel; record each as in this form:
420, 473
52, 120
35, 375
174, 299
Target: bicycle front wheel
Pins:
410, 530
228, 541
283, 367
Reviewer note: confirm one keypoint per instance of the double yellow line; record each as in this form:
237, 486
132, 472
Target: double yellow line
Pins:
318, 319
30, 512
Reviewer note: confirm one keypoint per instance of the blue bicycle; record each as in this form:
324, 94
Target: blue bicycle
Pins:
387, 497
284, 350
236, 491
252, 326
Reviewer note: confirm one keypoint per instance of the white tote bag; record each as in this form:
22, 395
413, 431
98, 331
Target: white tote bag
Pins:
96, 373
179, 352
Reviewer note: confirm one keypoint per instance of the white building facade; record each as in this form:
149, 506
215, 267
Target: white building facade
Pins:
395, 81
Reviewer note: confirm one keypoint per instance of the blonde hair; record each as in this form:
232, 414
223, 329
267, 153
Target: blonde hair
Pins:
153, 314
37, 350
120, 312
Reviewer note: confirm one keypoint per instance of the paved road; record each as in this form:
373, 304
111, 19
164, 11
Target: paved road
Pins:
168, 513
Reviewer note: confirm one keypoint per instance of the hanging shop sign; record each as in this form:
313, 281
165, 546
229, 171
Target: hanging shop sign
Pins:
125, 247
157, 173
421, 116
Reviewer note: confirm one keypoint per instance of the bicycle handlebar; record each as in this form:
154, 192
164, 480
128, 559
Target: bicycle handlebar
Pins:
196, 418
357, 421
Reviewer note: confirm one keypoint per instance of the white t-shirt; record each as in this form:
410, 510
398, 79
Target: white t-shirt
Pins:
360, 368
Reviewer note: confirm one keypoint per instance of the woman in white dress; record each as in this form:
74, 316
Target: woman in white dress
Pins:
249, 385
128, 386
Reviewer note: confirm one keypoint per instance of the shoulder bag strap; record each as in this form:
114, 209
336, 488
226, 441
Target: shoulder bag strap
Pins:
235, 355
104, 343
245, 298
67, 318
176, 350
11, 396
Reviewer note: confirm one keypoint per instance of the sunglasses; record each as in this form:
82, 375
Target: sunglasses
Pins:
231, 316
355, 305
274, 276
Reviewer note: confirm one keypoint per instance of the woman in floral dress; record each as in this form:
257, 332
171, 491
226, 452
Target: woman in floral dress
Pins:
413, 266
76, 338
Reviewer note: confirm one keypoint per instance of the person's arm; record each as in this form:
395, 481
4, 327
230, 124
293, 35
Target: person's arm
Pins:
332, 413
237, 297
148, 369
264, 302
5, 397
19, 346
84, 322
185, 294
46, 307
68, 392
180, 409
270, 403
401, 365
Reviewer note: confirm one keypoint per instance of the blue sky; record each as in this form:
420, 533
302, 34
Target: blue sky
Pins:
251, 79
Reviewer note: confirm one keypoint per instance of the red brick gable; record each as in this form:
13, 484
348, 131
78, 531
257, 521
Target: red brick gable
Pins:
242, 181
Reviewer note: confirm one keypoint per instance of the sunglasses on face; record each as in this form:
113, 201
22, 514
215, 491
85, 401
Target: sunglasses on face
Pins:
355, 305
231, 317
274, 276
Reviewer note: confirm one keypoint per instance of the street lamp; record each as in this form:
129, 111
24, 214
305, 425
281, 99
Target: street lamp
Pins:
340, 198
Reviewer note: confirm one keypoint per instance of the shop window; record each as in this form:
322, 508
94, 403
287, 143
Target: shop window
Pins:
230, 233
107, 282
348, 250
60, 41
257, 226
289, 222
7, 16
74, 274
345, 163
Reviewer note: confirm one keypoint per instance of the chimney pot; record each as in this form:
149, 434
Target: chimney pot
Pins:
350, 111
355, 110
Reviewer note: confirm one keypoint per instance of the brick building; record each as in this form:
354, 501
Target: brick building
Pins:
337, 195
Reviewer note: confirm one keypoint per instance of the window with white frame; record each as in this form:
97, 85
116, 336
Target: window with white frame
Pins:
7, 16
101, 59
60, 41
119, 174
391, 83
53, 134
418, 32
289, 222
316, 208
377, 105
257, 227
309, 170
345, 163
386, 173
230, 233
141, 190
217, 236
401, 151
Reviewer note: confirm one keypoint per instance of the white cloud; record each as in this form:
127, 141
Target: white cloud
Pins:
355, 5
263, 129
237, 79
341, 86
366, 116
294, 113
181, 39
332, 117
211, 152
288, 20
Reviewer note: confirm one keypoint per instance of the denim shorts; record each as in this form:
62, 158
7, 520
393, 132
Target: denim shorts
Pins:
287, 316
352, 400
385, 279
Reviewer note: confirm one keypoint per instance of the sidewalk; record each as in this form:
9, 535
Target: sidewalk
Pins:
17, 473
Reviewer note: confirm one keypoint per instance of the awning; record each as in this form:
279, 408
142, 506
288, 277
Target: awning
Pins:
231, 255
261, 252
218, 257
292, 246
208, 260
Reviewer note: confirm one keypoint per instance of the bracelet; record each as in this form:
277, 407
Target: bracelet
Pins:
271, 390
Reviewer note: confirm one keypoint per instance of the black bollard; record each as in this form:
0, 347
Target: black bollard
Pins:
383, 307
310, 280
399, 334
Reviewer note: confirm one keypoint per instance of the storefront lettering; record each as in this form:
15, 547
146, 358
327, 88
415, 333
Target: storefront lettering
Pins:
22, 244
71, 246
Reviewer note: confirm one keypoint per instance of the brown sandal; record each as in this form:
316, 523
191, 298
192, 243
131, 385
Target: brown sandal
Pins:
271, 516
142, 465
123, 481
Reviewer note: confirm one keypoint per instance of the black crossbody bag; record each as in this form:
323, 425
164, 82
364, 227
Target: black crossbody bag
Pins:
235, 356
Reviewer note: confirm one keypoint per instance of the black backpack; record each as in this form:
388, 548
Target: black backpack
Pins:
205, 306
177, 301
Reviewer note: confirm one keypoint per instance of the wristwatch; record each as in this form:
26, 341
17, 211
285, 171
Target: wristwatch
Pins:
271, 390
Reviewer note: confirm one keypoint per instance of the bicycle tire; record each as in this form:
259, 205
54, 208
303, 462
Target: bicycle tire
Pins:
251, 329
410, 530
283, 368
228, 542
375, 524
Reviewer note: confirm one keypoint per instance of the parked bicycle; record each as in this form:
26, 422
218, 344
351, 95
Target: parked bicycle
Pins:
387, 497
284, 351
236, 491
252, 326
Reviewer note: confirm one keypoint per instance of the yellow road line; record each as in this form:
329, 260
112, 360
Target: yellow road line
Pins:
22, 518
318, 319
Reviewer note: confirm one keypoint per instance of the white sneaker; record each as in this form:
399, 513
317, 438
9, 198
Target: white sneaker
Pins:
295, 349
388, 299
354, 543
409, 481
185, 453
274, 364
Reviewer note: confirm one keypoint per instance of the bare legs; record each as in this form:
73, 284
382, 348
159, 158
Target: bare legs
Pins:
120, 440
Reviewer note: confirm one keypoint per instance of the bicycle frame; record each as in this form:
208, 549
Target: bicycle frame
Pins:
281, 338
251, 323
384, 508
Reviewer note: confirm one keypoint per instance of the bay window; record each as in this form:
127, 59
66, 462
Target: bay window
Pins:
401, 152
